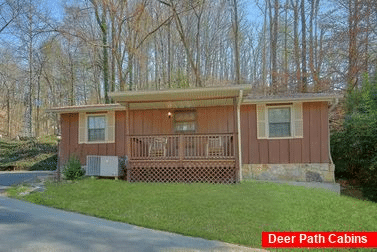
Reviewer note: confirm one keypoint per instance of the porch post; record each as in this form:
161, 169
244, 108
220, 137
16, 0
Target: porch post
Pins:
235, 139
128, 141
239, 133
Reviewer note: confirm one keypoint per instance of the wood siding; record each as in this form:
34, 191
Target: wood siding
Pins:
312, 148
69, 145
142, 122
209, 120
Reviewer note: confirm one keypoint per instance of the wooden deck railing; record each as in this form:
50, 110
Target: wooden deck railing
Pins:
182, 147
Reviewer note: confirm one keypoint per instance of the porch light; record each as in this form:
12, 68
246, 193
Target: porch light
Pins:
169, 114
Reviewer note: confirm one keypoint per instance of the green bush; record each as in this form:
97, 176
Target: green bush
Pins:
72, 170
354, 149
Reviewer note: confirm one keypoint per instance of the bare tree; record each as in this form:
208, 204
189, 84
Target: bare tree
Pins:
100, 10
9, 11
181, 31
304, 83
236, 42
30, 26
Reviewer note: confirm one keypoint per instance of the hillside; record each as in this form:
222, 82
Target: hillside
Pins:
34, 154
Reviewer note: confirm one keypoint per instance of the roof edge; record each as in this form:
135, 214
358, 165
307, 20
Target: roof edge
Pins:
86, 108
307, 97
166, 94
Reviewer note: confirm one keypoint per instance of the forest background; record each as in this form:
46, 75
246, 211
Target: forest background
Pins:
58, 53
75, 52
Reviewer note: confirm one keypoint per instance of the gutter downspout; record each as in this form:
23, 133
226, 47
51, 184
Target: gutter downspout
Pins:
239, 132
336, 102
128, 141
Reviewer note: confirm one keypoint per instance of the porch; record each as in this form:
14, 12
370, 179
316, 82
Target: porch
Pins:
183, 135
183, 158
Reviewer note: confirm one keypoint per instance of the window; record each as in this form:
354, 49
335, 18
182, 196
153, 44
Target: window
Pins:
96, 128
279, 122
185, 121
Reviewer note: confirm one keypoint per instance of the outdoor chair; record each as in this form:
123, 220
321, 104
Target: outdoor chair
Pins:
215, 146
157, 147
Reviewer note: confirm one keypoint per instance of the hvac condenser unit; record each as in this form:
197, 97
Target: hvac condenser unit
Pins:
104, 166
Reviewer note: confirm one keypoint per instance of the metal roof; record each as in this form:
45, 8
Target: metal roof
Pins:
302, 97
180, 98
191, 98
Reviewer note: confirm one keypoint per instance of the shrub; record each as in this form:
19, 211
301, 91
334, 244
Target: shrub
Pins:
355, 147
73, 170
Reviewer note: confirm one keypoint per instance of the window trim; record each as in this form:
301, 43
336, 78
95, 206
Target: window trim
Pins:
109, 129
297, 120
268, 121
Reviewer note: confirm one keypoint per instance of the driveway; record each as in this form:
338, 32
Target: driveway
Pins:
14, 178
29, 227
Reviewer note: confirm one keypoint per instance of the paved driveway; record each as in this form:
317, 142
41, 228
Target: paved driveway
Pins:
28, 227
14, 178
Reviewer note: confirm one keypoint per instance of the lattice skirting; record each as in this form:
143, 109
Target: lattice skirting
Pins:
206, 171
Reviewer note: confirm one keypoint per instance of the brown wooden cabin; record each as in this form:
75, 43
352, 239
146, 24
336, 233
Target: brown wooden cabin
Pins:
219, 134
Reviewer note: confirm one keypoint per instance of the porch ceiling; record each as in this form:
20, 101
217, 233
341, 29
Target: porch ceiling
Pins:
180, 104
180, 98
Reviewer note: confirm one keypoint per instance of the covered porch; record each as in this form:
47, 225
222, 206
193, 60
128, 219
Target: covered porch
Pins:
183, 158
186, 135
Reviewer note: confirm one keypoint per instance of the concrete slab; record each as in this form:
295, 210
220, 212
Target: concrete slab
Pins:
333, 187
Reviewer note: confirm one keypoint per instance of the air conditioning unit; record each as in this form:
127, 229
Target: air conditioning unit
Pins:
104, 166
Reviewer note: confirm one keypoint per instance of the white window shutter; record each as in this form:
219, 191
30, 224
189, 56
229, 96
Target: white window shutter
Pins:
111, 127
82, 128
261, 121
298, 122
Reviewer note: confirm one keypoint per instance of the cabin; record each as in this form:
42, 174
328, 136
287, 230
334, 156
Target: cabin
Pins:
215, 134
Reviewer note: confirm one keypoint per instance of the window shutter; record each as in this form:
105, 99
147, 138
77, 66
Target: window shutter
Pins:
298, 122
261, 121
110, 127
82, 128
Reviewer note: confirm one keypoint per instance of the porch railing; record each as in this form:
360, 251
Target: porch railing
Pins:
182, 147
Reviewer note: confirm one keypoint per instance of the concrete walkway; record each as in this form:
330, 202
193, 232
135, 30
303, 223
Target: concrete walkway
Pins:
29, 227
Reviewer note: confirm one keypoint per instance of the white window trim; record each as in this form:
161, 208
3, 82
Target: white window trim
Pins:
268, 121
83, 129
292, 106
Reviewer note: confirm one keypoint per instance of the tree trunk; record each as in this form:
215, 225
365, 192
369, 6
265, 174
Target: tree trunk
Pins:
274, 73
105, 61
303, 54
313, 12
105, 58
113, 49
185, 45
29, 109
353, 50
169, 55
286, 72
37, 123
264, 51
296, 47
236, 44
8, 114
130, 71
